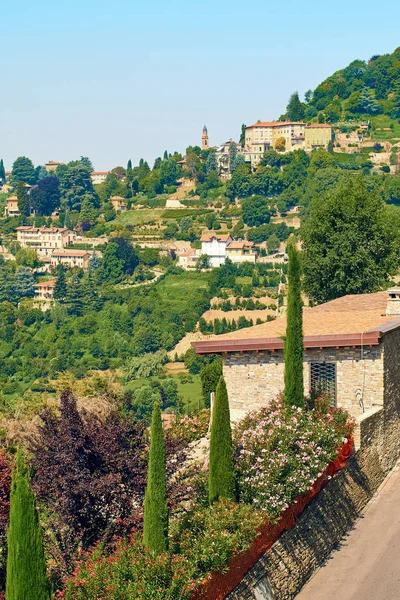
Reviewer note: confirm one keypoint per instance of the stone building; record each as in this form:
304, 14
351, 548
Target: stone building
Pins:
348, 345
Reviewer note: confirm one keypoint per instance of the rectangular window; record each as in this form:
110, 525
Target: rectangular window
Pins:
323, 379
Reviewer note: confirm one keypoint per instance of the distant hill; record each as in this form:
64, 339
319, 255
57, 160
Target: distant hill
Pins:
363, 89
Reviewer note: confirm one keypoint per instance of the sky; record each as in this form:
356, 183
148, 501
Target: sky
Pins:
123, 79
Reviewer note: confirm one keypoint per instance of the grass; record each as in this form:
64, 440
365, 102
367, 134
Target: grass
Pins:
139, 216
191, 393
177, 290
381, 122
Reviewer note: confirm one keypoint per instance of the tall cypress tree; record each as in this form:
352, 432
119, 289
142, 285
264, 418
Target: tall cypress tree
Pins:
221, 474
155, 526
2, 171
294, 384
26, 565
60, 287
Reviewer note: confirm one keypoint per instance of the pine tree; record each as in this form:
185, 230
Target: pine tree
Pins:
155, 525
221, 474
26, 565
24, 283
211, 163
74, 297
60, 287
295, 109
294, 385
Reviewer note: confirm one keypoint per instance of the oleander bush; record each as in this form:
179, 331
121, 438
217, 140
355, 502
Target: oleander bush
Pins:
281, 452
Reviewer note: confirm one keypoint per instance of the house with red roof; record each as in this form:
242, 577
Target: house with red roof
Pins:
351, 350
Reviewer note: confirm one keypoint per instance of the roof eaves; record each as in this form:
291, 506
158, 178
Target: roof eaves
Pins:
215, 346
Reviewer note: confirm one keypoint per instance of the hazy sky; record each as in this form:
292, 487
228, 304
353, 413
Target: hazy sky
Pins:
124, 79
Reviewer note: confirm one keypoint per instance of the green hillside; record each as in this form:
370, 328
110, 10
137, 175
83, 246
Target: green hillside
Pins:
362, 90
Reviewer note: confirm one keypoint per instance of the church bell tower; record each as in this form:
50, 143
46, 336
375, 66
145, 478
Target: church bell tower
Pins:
204, 139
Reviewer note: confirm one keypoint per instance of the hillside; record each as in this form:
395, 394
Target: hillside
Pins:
364, 89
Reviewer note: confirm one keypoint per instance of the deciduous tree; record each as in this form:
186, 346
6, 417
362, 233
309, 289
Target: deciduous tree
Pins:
350, 243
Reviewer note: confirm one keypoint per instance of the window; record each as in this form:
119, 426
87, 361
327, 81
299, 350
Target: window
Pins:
323, 378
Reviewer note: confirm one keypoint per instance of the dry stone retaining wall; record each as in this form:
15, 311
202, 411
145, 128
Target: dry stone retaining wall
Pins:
282, 571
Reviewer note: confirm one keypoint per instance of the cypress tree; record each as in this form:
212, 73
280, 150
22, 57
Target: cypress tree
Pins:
294, 384
2, 171
221, 473
26, 565
155, 526
60, 287
129, 165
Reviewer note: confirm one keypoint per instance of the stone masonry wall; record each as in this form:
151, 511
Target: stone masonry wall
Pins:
282, 571
254, 378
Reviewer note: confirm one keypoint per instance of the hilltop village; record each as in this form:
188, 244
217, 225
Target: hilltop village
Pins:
202, 348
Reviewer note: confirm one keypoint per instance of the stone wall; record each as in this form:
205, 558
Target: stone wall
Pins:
282, 571
254, 378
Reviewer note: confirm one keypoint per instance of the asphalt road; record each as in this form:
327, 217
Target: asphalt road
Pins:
367, 564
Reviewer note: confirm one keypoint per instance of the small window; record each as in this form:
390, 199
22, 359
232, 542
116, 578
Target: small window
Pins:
323, 379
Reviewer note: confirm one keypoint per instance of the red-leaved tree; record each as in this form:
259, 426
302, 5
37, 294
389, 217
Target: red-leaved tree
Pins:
90, 477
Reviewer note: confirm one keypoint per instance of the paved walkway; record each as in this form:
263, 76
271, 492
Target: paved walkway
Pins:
367, 564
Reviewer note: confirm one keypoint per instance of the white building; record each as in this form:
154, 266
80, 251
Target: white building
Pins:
214, 245
98, 177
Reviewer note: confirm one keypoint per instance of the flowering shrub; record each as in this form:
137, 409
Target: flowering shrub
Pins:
203, 542
280, 453
190, 427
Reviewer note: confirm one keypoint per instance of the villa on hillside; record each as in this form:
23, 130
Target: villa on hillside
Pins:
351, 349
44, 239
241, 251
118, 203
219, 247
214, 245
264, 135
70, 259
98, 177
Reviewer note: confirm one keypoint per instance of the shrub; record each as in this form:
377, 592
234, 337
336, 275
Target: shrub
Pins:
133, 572
281, 452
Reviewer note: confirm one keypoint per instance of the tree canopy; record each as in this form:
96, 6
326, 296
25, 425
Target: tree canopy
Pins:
350, 243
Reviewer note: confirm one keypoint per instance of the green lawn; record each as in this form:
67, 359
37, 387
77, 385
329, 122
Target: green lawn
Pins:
178, 290
139, 216
381, 122
190, 392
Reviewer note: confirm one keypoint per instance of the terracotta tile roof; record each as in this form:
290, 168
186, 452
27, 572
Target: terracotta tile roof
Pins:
187, 252
208, 235
239, 245
318, 126
99, 173
69, 253
341, 322
275, 124
50, 283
